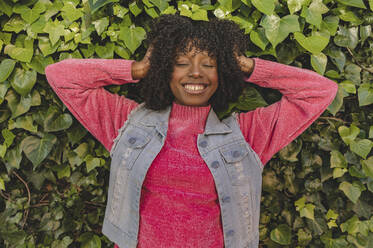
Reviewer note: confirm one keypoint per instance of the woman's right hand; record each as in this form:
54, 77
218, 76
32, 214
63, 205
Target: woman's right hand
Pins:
139, 69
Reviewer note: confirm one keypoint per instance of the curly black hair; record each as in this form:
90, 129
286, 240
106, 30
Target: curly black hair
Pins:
171, 35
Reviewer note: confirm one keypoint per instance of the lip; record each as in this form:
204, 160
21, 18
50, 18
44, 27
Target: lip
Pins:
194, 91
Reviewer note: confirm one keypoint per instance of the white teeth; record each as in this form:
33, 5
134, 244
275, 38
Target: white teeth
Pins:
194, 87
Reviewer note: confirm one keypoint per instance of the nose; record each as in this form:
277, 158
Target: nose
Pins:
195, 71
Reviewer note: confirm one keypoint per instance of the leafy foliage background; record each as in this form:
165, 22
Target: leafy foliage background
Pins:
317, 192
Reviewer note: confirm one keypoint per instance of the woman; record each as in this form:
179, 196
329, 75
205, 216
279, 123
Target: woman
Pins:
180, 177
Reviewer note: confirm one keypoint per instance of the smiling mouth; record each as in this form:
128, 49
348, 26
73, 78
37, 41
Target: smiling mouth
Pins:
194, 88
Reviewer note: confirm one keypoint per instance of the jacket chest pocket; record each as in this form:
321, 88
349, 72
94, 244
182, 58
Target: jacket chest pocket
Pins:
132, 144
234, 160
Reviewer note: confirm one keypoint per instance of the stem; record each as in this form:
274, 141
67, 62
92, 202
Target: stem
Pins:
25, 214
370, 70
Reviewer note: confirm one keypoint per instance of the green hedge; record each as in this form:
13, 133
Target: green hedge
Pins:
317, 192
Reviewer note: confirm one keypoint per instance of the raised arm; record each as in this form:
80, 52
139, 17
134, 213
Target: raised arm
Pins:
79, 84
306, 95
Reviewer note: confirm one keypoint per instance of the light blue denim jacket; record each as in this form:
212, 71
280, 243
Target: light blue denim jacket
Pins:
235, 167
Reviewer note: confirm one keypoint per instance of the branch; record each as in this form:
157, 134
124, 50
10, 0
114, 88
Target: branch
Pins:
5, 196
370, 70
29, 197
332, 118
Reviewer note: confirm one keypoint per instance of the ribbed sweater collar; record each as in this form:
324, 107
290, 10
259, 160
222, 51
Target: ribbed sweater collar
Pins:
189, 115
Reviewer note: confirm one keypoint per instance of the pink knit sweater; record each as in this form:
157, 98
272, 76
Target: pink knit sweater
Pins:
179, 204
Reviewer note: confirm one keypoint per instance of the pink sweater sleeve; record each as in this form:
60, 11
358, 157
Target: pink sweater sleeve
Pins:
306, 95
79, 84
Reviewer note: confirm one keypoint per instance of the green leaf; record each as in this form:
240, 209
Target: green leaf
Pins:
352, 225
348, 86
3, 90
353, 192
230, 5
70, 12
368, 166
15, 24
331, 24
348, 134
135, 9
132, 37
101, 25
89, 240
24, 122
92, 162
170, 11
331, 214
353, 3
295, 5
6, 8
6, 68
8, 137
277, 29
365, 93
30, 15
250, 99
349, 16
318, 62
23, 81
365, 32
55, 30
313, 13
97, 4
200, 15
3, 149
2, 185
337, 103
62, 170
337, 160
258, 38
36, 149
46, 47
281, 234
19, 53
371, 132
291, 151
347, 37
13, 158
18, 105
361, 147
75, 133
305, 210
160, 4
314, 43
55, 121
4, 86
119, 10
265, 6
106, 51
329, 242
336, 56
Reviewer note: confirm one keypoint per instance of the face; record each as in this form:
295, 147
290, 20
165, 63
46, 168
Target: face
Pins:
194, 78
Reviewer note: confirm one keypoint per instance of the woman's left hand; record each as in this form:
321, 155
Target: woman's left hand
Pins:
246, 64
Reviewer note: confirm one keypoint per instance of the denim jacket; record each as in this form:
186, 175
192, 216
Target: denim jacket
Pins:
235, 167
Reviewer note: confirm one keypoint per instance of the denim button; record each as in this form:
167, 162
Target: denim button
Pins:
236, 154
203, 144
226, 199
215, 164
132, 140
230, 233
